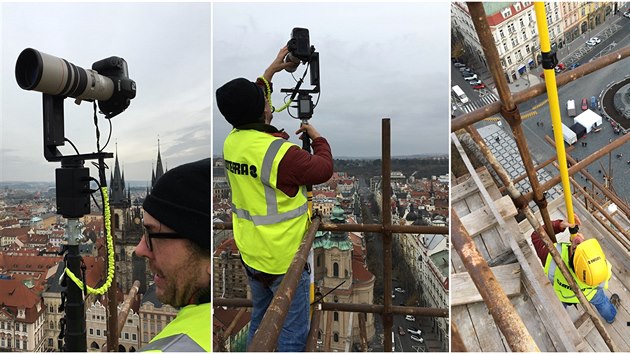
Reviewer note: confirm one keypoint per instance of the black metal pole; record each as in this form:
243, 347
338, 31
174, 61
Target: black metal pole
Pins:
75, 336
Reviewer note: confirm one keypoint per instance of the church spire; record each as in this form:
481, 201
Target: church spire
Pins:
117, 190
159, 170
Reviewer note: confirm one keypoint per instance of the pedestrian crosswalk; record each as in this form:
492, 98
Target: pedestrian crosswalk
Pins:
485, 100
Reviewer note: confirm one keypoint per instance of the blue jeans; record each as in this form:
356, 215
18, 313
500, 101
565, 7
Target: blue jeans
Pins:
296, 324
603, 306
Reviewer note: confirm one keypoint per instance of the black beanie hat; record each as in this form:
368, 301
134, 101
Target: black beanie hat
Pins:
241, 102
180, 200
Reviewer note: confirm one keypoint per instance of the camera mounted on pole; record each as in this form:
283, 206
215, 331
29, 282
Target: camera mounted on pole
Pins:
108, 84
301, 51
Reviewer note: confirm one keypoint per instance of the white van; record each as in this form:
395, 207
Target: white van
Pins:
569, 135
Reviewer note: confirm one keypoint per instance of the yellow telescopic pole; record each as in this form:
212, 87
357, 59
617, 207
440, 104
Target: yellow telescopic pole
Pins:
554, 106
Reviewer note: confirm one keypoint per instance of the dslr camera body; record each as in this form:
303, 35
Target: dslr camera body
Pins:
301, 51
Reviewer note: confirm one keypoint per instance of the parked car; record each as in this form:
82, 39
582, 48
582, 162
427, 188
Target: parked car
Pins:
399, 290
401, 331
574, 65
473, 77
466, 72
410, 318
593, 102
479, 87
464, 68
584, 104
415, 331
626, 14
593, 41
459, 65
474, 82
417, 339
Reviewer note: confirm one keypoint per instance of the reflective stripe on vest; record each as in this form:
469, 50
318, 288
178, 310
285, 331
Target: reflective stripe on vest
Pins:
273, 216
268, 224
558, 281
176, 343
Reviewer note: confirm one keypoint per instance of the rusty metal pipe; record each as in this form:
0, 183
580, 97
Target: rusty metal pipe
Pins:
124, 312
583, 163
509, 110
349, 307
377, 228
499, 306
534, 91
311, 341
578, 293
266, 336
457, 344
388, 318
612, 196
613, 232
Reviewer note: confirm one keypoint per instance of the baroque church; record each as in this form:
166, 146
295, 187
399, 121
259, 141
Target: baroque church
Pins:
128, 228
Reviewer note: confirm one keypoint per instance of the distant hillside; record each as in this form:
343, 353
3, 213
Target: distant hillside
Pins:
425, 167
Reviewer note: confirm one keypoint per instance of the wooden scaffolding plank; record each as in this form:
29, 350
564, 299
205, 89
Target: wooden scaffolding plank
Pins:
482, 219
488, 334
551, 313
464, 291
467, 187
527, 310
460, 316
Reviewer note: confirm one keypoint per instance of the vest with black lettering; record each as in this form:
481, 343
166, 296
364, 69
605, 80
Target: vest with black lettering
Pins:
560, 284
189, 332
268, 224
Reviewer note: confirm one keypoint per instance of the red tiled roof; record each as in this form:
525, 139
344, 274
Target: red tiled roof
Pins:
227, 245
14, 231
27, 263
14, 294
360, 272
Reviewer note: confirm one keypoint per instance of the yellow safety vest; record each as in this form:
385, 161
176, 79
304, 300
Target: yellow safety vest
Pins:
268, 224
560, 284
189, 332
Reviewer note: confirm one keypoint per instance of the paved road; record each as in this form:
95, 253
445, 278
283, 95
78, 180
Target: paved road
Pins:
616, 35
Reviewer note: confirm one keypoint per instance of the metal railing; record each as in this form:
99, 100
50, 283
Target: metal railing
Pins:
268, 332
507, 106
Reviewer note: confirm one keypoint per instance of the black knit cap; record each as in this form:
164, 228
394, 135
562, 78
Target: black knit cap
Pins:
180, 200
241, 101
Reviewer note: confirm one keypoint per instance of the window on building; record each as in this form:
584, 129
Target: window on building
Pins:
521, 22
505, 47
91, 331
24, 345
126, 336
501, 34
146, 337
23, 327
509, 60
335, 316
335, 269
98, 332
1, 324
133, 337
50, 342
319, 260
336, 337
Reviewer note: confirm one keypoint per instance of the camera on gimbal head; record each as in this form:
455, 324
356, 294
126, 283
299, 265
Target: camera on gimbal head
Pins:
301, 51
108, 83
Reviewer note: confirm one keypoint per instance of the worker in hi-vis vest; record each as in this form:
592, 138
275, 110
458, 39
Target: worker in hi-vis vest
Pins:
267, 176
586, 262
176, 243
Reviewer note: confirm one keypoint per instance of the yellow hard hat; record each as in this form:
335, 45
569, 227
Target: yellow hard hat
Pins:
589, 262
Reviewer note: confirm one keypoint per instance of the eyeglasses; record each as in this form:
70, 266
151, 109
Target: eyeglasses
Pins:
149, 235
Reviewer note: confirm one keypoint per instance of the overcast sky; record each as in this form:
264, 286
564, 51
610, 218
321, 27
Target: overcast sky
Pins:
376, 60
167, 49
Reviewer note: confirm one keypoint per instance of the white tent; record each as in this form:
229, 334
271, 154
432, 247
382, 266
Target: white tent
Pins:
589, 120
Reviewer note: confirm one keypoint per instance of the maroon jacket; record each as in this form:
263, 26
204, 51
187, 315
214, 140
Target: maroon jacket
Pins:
298, 167
539, 245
